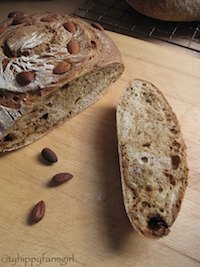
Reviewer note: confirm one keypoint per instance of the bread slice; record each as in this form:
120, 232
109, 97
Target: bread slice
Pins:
52, 66
152, 159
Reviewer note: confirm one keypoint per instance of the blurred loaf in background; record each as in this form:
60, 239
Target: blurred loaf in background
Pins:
171, 10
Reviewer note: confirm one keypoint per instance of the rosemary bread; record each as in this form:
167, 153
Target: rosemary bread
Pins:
52, 67
173, 10
152, 159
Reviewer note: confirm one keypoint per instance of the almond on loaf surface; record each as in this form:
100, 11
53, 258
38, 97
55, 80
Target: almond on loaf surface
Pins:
52, 66
152, 159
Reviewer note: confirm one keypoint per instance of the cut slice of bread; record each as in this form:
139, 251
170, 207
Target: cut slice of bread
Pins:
152, 159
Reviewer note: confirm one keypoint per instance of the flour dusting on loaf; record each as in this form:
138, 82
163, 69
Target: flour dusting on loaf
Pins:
152, 159
52, 66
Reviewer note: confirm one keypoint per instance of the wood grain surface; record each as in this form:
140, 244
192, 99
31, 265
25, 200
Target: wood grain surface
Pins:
85, 222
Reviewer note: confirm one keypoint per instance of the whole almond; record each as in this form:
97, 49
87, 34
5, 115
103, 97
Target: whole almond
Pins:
93, 44
61, 178
49, 155
18, 20
62, 67
15, 14
70, 26
47, 19
37, 212
97, 26
73, 47
25, 77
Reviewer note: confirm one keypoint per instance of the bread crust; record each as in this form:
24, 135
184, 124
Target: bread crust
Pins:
171, 10
39, 55
152, 156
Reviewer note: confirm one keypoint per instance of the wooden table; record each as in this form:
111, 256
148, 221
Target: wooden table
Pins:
85, 222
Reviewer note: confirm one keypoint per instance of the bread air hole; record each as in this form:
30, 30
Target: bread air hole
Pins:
16, 98
175, 146
174, 130
93, 43
171, 178
144, 159
146, 145
148, 188
50, 104
145, 204
79, 98
160, 189
45, 116
9, 137
133, 193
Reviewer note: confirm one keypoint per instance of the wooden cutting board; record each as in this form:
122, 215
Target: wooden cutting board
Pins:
85, 223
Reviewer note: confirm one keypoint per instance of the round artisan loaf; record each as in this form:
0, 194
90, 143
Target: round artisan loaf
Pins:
52, 66
172, 10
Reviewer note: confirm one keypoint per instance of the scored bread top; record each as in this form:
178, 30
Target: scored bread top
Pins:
43, 52
152, 159
51, 48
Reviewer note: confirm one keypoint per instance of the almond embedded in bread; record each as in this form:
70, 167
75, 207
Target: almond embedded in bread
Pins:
18, 20
48, 19
73, 47
152, 159
70, 26
62, 67
52, 66
25, 77
15, 14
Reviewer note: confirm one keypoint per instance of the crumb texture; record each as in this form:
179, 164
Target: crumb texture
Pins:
152, 158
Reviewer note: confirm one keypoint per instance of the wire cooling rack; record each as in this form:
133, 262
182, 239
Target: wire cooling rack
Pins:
118, 16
